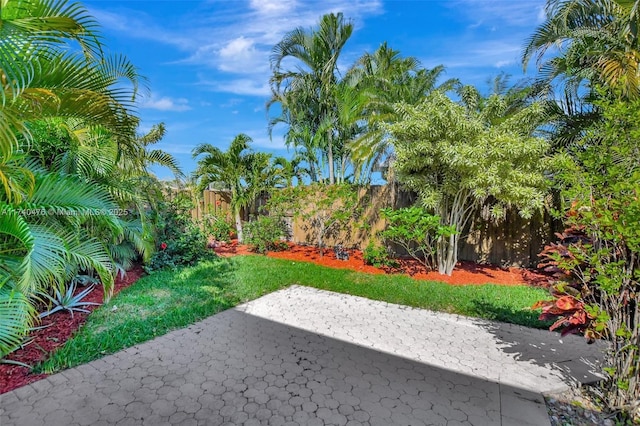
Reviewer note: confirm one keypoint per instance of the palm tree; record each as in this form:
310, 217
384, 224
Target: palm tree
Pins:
387, 78
40, 78
244, 173
596, 41
305, 93
287, 169
44, 241
93, 155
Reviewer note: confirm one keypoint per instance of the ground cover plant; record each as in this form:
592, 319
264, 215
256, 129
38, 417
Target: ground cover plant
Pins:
377, 255
172, 299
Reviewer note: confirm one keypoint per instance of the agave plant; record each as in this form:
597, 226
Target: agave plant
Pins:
67, 300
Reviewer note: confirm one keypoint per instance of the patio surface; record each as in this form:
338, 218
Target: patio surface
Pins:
302, 356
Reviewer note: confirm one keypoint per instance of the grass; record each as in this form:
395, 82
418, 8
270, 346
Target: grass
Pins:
168, 300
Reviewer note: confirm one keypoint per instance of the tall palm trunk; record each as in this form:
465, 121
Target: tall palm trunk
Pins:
314, 174
332, 178
238, 219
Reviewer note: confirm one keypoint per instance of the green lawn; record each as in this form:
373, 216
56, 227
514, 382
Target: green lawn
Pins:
167, 300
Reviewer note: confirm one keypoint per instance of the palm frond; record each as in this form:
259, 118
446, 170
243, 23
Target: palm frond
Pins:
16, 318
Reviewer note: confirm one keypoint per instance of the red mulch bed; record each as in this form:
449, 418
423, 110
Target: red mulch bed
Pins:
61, 326
465, 273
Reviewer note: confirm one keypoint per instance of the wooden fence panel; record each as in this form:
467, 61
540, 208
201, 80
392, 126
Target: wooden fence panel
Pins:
512, 241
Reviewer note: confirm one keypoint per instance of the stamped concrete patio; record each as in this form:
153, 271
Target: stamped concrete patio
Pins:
307, 357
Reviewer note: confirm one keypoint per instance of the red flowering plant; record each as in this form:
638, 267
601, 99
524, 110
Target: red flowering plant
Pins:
597, 263
598, 257
568, 307
181, 241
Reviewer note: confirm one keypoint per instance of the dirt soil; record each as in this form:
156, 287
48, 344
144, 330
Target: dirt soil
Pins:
59, 328
465, 273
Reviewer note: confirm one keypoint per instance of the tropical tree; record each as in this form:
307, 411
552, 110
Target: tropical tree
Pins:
306, 92
595, 41
386, 78
93, 155
598, 256
244, 173
456, 158
45, 241
41, 78
583, 45
51, 220
287, 170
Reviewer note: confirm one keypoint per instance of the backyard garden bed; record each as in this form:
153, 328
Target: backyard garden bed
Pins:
58, 329
465, 273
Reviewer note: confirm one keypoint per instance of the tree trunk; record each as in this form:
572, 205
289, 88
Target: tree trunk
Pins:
447, 254
312, 172
452, 254
236, 214
332, 178
320, 238
456, 212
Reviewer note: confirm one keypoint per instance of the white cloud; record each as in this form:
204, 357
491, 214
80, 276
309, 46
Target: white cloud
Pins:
236, 40
265, 142
139, 25
477, 54
504, 63
241, 86
273, 7
241, 56
165, 103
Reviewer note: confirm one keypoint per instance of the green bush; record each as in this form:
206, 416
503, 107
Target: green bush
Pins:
416, 231
377, 256
598, 256
179, 240
265, 233
217, 227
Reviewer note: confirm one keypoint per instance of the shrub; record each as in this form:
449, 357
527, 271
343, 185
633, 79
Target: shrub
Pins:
179, 240
598, 256
378, 256
217, 227
416, 231
265, 234
65, 300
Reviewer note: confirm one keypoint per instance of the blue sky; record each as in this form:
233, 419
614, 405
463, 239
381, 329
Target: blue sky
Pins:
207, 62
